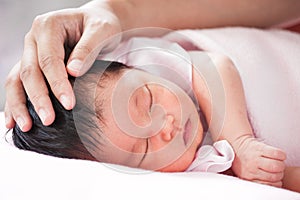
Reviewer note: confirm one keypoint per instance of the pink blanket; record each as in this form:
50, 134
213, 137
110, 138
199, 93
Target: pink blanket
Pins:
269, 65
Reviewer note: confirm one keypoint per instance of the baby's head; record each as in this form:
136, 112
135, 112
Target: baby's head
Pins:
61, 138
126, 116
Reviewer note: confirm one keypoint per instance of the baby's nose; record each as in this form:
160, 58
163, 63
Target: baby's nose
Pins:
168, 129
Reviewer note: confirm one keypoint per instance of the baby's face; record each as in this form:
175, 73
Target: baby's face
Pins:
149, 123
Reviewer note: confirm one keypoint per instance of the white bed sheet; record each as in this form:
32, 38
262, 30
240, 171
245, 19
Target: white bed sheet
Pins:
28, 175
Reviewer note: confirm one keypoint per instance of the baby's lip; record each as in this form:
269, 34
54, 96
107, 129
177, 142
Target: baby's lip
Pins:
187, 131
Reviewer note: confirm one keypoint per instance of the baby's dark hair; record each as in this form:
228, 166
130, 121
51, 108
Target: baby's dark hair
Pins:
69, 136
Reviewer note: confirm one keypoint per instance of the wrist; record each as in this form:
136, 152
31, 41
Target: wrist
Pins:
120, 9
240, 141
123, 10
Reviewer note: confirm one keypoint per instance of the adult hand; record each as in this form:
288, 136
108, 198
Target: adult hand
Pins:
258, 162
82, 29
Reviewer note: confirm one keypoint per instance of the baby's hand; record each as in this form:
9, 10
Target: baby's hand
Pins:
258, 162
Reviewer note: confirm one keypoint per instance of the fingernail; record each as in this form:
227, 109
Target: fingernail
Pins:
66, 102
43, 115
75, 65
20, 122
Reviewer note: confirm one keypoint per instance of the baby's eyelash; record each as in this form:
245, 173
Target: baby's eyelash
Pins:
147, 146
151, 97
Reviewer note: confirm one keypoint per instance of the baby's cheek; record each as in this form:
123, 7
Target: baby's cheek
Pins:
181, 164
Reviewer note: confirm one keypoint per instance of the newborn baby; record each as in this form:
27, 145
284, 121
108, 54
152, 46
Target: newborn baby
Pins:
142, 115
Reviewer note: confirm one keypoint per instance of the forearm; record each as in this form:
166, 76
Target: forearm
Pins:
178, 14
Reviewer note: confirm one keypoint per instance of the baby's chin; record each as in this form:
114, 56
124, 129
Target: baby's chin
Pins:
179, 165
182, 163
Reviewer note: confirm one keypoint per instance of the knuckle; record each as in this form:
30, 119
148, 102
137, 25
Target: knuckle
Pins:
10, 80
37, 20
47, 61
85, 49
57, 84
15, 105
26, 72
44, 20
100, 24
28, 37
35, 98
49, 20
97, 23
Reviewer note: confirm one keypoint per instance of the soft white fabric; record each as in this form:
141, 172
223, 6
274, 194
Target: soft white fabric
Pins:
32, 176
213, 158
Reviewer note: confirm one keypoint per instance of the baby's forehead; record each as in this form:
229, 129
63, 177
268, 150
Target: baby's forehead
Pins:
119, 86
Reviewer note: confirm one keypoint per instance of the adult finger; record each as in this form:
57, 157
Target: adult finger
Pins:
93, 40
51, 53
34, 82
9, 120
15, 107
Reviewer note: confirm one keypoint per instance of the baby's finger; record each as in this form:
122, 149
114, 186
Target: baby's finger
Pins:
272, 152
271, 165
267, 176
275, 184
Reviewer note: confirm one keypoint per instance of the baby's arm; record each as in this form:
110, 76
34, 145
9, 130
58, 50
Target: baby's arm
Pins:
219, 91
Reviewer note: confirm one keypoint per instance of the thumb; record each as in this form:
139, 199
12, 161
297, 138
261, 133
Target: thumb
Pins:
88, 48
